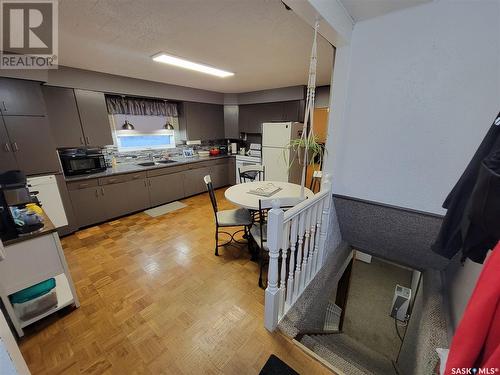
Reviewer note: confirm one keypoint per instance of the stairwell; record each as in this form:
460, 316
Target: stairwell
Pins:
347, 355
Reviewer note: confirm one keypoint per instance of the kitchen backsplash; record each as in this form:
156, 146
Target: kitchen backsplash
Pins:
133, 156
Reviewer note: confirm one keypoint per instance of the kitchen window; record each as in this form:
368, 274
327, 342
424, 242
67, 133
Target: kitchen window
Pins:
130, 140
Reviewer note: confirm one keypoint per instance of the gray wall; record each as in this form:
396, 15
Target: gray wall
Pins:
275, 95
393, 233
419, 101
459, 282
426, 329
109, 83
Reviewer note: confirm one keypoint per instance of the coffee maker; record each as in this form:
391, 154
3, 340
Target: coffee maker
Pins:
15, 218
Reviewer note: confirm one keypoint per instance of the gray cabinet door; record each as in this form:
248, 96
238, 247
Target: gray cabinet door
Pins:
252, 116
291, 111
32, 143
203, 121
94, 117
7, 159
166, 188
19, 97
193, 181
231, 128
63, 116
124, 198
219, 175
88, 206
231, 171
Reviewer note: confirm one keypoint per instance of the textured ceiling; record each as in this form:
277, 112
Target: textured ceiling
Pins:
265, 45
363, 9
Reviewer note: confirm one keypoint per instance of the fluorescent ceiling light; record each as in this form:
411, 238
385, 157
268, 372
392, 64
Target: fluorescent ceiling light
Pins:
186, 64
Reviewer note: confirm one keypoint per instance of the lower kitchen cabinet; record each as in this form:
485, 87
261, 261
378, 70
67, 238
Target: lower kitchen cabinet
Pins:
88, 206
124, 198
166, 188
219, 176
193, 181
99, 199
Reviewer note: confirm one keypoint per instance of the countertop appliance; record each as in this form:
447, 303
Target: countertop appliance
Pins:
244, 160
78, 161
276, 155
50, 198
15, 218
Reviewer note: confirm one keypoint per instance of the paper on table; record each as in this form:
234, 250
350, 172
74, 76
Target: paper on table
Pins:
265, 190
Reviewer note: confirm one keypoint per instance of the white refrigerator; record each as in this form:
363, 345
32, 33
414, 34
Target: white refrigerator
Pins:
276, 155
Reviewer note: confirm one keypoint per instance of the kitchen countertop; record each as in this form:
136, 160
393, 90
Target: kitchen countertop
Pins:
132, 167
48, 228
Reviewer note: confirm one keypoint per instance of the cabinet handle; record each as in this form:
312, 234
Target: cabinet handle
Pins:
81, 141
7, 147
102, 191
149, 182
81, 186
96, 193
15, 146
87, 139
145, 185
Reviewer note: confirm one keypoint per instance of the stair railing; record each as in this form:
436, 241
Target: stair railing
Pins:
296, 240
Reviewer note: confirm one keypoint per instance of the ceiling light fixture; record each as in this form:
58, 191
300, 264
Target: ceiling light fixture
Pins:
186, 64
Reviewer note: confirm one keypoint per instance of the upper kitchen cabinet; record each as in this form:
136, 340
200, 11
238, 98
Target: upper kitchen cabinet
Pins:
231, 127
21, 98
202, 121
294, 110
32, 144
7, 158
251, 116
63, 116
77, 117
94, 117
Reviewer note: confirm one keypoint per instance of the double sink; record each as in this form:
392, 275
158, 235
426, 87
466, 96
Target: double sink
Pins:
157, 162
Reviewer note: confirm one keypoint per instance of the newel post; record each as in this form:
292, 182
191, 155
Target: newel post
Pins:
274, 238
326, 185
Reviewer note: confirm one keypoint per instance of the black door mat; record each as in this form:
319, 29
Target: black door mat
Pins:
275, 366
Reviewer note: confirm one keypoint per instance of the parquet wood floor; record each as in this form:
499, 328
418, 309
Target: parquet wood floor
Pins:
155, 300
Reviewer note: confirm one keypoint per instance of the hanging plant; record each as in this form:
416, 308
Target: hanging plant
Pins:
315, 151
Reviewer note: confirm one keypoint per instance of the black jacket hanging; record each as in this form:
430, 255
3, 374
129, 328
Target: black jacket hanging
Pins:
451, 235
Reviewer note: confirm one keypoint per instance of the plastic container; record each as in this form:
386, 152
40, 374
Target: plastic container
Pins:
35, 300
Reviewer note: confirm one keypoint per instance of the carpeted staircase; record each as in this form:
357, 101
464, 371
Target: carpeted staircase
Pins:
348, 355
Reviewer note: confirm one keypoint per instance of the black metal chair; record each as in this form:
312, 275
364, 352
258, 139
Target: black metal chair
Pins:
250, 173
258, 231
239, 217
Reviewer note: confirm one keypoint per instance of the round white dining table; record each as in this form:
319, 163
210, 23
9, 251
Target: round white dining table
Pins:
240, 196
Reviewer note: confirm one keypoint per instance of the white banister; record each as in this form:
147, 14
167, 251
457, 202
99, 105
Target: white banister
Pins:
291, 269
305, 258
298, 269
274, 237
297, 239
326, 186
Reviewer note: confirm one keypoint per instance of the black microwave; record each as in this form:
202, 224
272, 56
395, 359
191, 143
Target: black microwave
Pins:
82, 161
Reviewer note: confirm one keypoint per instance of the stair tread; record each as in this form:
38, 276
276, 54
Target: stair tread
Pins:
348, 355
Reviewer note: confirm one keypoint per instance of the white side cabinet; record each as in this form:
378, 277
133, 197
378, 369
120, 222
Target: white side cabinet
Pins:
30, 262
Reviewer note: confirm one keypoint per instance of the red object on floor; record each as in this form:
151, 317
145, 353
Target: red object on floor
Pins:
476, 343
